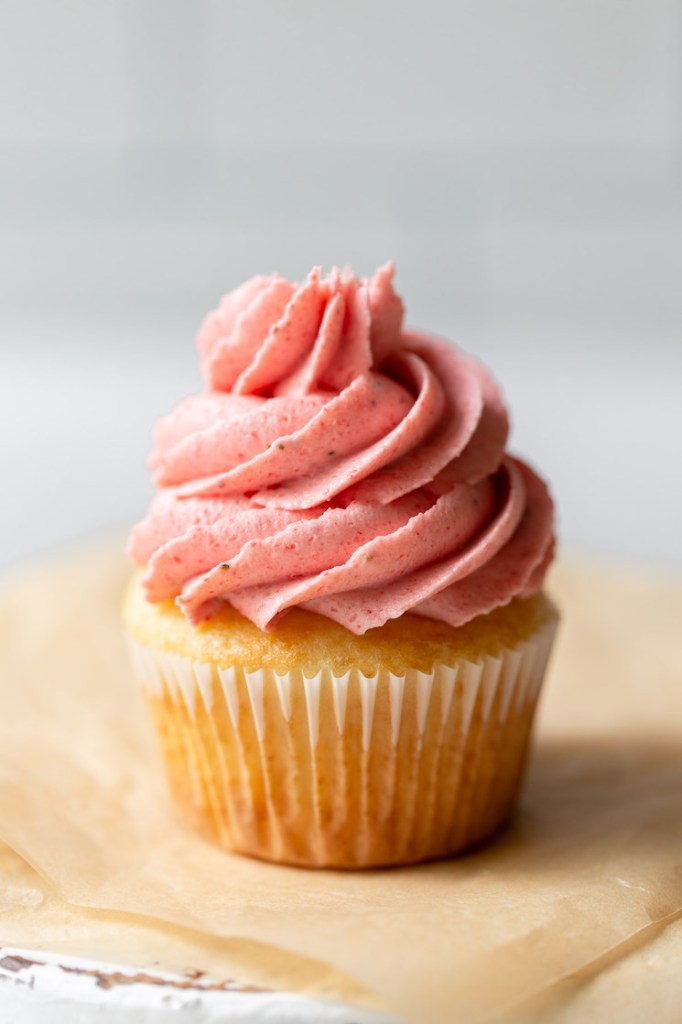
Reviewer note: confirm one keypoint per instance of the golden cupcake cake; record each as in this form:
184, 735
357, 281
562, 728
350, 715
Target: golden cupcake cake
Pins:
338, 618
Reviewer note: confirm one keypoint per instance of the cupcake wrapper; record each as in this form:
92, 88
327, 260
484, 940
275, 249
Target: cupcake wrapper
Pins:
345, 770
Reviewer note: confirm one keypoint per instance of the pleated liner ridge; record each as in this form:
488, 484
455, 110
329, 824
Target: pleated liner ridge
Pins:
345, 770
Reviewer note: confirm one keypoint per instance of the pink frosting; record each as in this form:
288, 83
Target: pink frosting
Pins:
338, 462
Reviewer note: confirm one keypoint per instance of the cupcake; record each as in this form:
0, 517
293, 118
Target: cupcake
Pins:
338, 618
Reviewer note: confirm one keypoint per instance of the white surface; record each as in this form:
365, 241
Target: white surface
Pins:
38, 987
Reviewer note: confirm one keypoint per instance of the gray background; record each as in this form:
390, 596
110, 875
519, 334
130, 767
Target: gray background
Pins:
521, 160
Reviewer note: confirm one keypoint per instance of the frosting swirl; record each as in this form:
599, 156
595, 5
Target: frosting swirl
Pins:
338, 462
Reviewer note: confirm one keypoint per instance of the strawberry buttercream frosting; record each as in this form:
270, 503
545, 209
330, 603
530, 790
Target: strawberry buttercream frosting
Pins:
339, 462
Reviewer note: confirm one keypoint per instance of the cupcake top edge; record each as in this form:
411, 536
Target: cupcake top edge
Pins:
339, 462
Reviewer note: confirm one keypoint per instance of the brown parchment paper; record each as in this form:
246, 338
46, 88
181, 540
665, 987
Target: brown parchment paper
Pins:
35, 919
591, 863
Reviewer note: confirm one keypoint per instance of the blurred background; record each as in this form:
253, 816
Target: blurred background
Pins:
520, 160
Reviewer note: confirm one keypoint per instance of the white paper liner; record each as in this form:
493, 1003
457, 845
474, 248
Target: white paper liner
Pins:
346, 770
